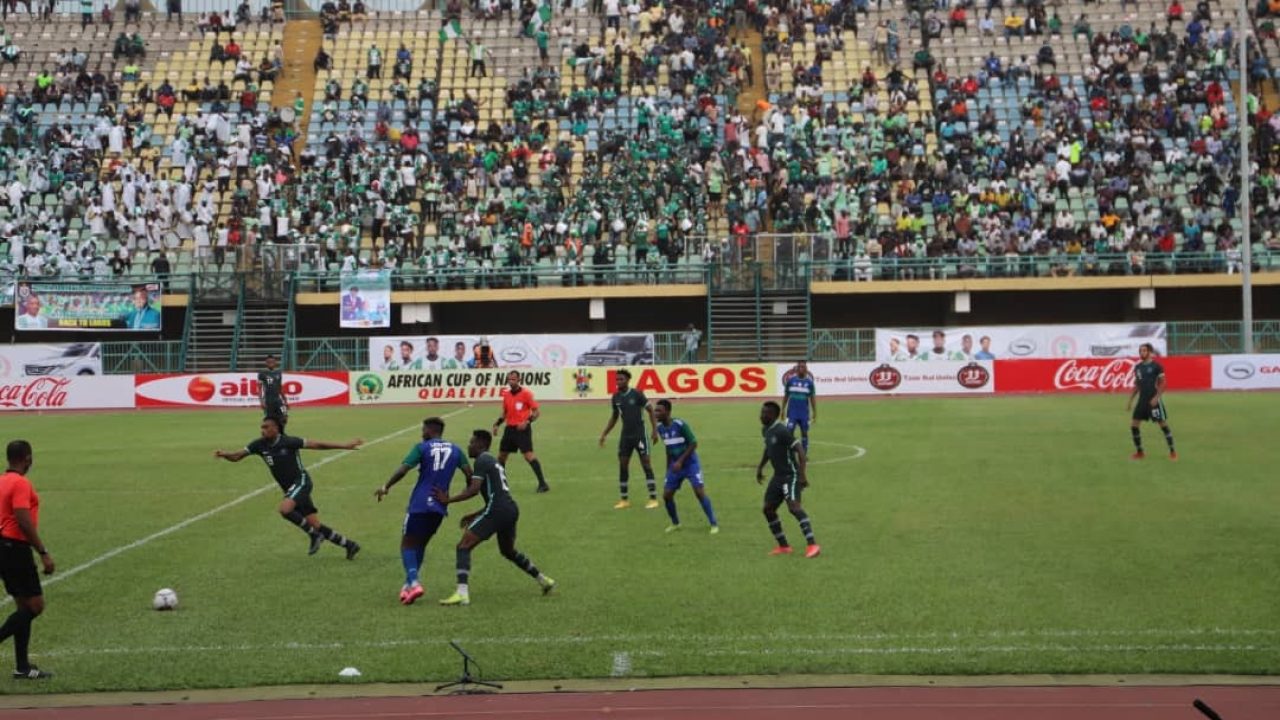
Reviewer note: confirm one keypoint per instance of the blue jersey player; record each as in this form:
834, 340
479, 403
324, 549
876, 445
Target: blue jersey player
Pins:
682, 464
799, 399
437, 460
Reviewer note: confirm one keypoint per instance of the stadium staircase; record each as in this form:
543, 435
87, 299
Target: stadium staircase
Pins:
211, 338
753, 323
263, 326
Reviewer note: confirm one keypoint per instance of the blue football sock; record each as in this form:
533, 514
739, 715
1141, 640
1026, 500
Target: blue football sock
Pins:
412, 560
706, 508
671, 511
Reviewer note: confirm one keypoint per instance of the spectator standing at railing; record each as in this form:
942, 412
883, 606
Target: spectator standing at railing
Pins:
692, 340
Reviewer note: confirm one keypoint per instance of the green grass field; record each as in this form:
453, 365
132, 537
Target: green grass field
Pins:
964, 536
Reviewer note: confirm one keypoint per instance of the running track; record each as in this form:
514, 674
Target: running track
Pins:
1020, 703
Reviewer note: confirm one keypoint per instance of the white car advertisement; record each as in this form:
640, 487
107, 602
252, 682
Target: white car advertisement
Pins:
62, 360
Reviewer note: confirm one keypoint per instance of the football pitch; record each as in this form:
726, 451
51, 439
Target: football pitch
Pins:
960, 536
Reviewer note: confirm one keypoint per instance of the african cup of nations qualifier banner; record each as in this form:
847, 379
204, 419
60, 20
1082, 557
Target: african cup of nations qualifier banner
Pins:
445, 386
676, 381
238, 389
60, 360
457, 352
366, 299
943, 377
1007, 342
86, 306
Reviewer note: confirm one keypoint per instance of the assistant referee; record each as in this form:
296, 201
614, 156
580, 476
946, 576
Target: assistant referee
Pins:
519, 410
19, 516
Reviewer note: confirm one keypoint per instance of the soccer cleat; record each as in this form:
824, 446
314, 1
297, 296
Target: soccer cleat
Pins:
543, 488
1173, 454
548, 586
622, 505
1138, 456
412, 593
781, 550
813, 551
673, 528
457, 599
316, 541
652, 504
715, 529
353, 547
32, 673
404, 591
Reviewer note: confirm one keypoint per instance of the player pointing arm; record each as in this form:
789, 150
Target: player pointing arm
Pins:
281, 454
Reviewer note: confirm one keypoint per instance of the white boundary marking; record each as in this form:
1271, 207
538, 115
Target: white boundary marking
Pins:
848, 644
859, 451
59, 577
621, 664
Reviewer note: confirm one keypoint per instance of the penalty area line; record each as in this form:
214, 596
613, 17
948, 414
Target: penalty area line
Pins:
212, 511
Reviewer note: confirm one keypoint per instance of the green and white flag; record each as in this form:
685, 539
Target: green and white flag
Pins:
540, 19
451, 31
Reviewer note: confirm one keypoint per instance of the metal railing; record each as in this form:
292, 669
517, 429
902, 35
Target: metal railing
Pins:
525, 276
147, 356
1031, 266
825, 345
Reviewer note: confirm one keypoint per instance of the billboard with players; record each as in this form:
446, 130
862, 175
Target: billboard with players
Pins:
460, 352
237, 390
1246, 372
1182, 372
40, 360
366, 299
447, 386
80, 392
1009, 342
946, 377
86, 306
676, 381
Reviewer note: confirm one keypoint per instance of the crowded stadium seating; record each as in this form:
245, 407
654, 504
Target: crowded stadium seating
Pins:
1069, 138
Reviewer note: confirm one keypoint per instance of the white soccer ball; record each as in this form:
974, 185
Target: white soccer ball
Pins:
165, 599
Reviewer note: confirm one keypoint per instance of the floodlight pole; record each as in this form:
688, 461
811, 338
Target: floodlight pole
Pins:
1246, 235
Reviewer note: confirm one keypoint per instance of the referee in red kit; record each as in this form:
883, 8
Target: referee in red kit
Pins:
19, 516
519, 410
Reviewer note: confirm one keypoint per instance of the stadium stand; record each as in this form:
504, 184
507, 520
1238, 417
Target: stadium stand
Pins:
445, 142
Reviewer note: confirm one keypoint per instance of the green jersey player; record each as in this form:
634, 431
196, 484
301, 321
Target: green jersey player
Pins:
1148, 388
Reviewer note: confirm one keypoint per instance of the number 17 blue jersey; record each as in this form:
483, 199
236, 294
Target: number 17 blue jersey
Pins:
437, 461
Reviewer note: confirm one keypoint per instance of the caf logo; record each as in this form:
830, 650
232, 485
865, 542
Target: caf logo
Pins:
369, 387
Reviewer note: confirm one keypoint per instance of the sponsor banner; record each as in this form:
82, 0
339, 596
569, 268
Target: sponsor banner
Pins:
446, 386
38, 360
677, 381
81, 392
366, 299
237, 389
86, 306
1182, 372
456, 352
1011, 342
1246, 372
901, 378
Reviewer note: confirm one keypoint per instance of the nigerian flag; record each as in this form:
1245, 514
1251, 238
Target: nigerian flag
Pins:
451, 30
540, 19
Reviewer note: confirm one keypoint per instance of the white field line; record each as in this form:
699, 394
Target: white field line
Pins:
59, 577
906, 643
621, 664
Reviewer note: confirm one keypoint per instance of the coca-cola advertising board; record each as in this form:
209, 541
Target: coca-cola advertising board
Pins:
238, 389
1182, 372
869, 378
81, 392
